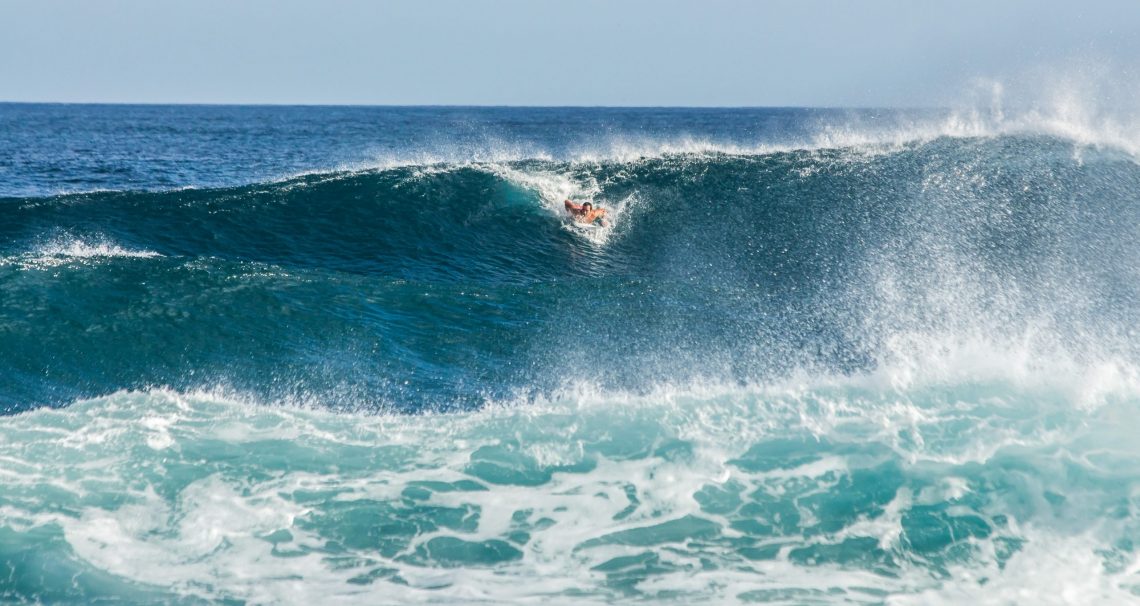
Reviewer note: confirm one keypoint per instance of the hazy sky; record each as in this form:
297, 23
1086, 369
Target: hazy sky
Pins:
537, 52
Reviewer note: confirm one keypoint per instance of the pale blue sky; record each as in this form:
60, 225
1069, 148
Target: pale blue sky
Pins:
536, 52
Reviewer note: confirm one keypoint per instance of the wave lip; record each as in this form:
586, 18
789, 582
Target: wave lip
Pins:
858, 134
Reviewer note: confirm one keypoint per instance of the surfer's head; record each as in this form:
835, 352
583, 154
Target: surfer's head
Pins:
587, 207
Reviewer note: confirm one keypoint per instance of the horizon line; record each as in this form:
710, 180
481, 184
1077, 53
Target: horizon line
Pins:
466, 106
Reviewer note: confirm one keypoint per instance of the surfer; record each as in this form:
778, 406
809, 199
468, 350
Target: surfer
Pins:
586, 213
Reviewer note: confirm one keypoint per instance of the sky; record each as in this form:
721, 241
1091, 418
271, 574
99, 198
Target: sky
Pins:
834, 53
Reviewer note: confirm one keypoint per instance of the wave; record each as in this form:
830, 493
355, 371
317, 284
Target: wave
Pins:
902, 372
867, 365
736, 268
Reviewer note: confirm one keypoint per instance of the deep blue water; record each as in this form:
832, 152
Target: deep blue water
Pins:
300, 354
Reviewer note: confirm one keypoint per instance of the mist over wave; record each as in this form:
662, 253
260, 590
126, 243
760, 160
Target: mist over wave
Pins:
817, 356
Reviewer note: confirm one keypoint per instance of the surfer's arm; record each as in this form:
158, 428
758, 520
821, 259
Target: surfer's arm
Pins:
570, 206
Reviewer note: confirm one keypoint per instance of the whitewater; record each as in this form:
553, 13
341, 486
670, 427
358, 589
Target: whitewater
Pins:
258, 355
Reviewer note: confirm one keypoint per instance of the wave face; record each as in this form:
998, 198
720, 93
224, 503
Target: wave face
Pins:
827, 362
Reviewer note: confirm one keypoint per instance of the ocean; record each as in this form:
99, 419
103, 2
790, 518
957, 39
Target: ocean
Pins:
359, 355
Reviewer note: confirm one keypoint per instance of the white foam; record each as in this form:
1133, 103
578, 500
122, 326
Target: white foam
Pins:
1050, 569
213, 528
80, 249
554, 187
69, 249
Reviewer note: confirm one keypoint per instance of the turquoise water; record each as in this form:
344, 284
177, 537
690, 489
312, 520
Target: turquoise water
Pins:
357, 355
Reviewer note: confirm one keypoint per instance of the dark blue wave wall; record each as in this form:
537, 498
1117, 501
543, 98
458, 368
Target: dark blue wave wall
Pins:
443, 286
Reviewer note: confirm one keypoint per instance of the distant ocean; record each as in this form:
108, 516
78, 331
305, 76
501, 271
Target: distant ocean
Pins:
353, 355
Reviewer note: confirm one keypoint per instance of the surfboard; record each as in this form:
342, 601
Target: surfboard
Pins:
584, 226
